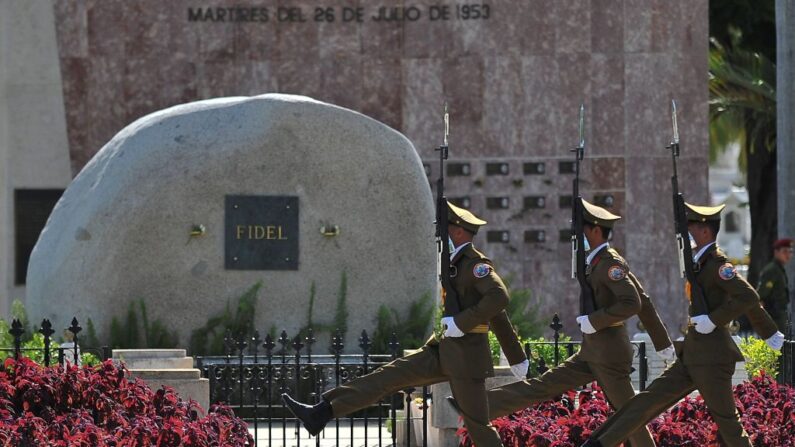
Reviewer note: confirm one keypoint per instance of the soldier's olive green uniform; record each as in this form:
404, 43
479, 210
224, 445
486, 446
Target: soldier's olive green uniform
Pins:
706, 361
773, 290
606, 355
463, 361
761, 322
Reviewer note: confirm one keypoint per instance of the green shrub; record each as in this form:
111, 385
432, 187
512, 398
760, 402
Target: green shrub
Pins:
523, 313
759, 357
209, 340
411, 332
538, 350
547, 351
136, 331
341, 313
494, 346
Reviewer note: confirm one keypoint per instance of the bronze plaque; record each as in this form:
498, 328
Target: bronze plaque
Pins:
261, 233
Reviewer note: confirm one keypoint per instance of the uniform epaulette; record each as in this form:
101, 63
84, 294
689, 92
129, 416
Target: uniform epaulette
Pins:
614, 253
717, 255
472, 252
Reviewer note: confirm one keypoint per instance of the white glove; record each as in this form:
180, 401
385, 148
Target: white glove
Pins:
776, 341
703, 324
668, 354
450, 329
519, 370
585, 324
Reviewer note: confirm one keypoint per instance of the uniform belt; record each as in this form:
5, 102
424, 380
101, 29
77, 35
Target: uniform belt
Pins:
617, 324
480, 329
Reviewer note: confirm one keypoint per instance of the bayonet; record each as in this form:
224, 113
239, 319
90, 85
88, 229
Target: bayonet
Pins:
581, 147
587, 303
684, 251
446, 124
675, 126
452, 306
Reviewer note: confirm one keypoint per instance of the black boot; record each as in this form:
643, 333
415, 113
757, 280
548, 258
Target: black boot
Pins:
451, 400
314, 417
592, 443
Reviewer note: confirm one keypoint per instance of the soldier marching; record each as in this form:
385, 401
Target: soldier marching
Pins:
474, 298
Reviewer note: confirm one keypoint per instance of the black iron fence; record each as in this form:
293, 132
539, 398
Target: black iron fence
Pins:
253, 374
786, 373
68, 352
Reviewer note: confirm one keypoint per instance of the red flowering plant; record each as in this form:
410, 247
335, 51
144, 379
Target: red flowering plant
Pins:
101, 406
554, 423
767, 410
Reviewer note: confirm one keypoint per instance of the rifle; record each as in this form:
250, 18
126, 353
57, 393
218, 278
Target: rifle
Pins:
452, 305
587, 303
686, 270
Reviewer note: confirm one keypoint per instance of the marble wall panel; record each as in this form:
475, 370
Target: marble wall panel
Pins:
514, 83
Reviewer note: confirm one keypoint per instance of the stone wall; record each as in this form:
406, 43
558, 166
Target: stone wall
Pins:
514, 81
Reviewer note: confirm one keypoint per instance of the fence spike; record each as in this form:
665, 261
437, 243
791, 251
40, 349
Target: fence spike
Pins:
337, 344
269, 344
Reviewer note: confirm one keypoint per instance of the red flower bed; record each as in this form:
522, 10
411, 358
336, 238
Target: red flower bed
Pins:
767, 410
100, 406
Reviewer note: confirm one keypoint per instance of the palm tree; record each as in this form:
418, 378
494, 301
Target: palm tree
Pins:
742, 110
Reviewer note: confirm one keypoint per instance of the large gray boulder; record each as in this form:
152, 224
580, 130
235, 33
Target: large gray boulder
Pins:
121, 232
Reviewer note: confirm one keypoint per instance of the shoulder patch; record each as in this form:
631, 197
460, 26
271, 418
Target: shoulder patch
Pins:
769, 284
616, 273
727, 271
481, 270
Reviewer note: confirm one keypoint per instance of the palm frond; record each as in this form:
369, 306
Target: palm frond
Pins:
742, 104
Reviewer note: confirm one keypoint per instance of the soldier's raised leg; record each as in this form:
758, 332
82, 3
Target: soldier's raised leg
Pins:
515, 396
418, 369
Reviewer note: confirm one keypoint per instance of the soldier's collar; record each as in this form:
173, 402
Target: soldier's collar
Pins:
704, 250
595, 252
459, 251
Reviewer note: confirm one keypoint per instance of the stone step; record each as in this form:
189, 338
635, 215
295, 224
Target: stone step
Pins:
153, 358
166, 374
163, 363
149, 353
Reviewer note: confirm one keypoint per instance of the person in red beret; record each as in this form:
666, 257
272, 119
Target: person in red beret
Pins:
773, 286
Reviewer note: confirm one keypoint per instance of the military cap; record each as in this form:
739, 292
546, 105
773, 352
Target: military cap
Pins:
783, 243
463, 218
696, 213
596, 215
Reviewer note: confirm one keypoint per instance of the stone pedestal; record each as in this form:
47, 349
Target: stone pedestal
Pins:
167, 367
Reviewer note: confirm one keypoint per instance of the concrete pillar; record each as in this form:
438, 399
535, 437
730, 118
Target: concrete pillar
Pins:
34, 151
785, 95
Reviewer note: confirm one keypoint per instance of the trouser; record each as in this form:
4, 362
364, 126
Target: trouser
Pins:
714, 382
612, 377
418, 369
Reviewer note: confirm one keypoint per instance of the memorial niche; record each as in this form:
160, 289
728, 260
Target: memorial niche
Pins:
261, 233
